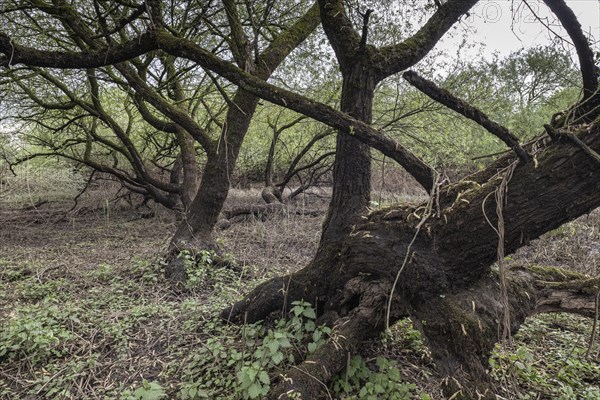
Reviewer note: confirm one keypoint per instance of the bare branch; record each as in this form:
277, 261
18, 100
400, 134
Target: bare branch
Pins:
584, 52
284, 43
365, 28
185, 48
461, 107
16, 54
399, 57
422, 172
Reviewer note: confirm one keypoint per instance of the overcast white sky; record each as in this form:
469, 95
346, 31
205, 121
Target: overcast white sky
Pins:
506, 25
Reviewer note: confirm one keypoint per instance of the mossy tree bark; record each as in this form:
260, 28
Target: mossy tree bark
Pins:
442, 253
447, 281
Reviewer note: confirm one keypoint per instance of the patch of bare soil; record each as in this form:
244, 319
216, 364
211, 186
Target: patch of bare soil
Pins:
85, 291
79, 240
86, 312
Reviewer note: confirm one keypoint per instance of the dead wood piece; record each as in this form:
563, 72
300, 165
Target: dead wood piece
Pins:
143, 215
223, 224
254, 210
263, 210
271, 194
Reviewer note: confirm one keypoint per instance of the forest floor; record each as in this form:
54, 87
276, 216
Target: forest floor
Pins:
86, 314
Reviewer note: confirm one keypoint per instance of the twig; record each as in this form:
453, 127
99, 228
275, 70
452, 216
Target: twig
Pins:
594, 327
87, 185
587, 149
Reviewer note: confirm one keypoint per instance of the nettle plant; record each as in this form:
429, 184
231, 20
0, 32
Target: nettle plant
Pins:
360, 382
202, 273
224, 367
37, 333
547, 362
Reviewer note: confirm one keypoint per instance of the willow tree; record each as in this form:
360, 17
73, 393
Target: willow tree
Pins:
431, 262
169, 93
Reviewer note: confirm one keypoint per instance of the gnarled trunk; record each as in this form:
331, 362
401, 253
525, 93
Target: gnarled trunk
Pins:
446, 279
351, 190
195, 231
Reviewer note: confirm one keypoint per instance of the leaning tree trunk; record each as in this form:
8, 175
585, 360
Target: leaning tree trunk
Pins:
195, 232
443, 265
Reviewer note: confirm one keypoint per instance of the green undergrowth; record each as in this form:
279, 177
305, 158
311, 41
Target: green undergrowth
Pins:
114, 332
118, 332
121, 332
547, 360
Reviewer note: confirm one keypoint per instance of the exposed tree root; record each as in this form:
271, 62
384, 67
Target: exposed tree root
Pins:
366, 320
460, 327
447, 287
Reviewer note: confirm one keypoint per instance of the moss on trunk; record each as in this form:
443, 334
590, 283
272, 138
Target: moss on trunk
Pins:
447, 285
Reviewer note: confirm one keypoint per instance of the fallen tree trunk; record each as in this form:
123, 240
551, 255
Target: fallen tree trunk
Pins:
442, 255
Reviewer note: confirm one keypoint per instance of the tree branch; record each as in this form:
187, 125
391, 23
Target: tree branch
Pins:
16, 54
285, 98
185, 48
287, 41
238, 43
449, 100
365, 28
155, 122
397, 58
584, 52
340, 32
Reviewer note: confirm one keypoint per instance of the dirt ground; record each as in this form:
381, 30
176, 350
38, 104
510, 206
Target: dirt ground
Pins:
103, 319
97, 270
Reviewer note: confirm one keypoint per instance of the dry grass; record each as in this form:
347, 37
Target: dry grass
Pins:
96, 273
575, 245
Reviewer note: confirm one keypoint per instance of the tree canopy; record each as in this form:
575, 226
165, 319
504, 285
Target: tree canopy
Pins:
110, 66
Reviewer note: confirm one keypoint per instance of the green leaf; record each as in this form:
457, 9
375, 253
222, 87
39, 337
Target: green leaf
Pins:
264, 377
309, 313
150, 391
394, 374
277, 358
254, 391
